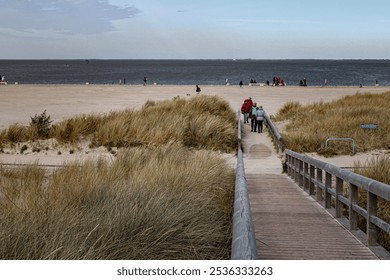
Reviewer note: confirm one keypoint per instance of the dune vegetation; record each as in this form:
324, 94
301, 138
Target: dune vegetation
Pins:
201, 122
167, 195
308, 127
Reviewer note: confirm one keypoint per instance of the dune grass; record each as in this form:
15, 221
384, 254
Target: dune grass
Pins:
152, 203
166, 196
200, 122
309, 126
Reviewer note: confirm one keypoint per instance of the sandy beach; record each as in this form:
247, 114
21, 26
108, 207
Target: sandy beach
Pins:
19, 102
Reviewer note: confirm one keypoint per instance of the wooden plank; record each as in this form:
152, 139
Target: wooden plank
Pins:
289, 224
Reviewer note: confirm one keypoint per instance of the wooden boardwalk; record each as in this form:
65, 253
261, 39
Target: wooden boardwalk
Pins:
289, 224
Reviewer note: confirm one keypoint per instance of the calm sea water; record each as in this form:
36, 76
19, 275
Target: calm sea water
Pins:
191, 72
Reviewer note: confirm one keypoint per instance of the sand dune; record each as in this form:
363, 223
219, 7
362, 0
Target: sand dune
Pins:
19, 102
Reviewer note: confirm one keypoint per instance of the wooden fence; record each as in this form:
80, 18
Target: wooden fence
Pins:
338, 189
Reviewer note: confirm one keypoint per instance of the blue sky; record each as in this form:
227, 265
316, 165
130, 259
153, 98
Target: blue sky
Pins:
195, 29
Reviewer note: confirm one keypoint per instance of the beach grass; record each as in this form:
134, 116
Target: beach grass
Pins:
309, 126
200, 122
167, 195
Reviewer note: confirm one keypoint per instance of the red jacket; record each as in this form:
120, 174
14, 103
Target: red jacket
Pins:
246, 107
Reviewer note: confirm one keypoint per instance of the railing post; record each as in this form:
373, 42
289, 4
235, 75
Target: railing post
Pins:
353, 199
372, 232
319, 181
300, 173
305, 175
288, 162
296, 170
328, 185
311, 183
339, 191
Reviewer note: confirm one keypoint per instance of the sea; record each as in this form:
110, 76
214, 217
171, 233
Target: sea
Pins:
201, 72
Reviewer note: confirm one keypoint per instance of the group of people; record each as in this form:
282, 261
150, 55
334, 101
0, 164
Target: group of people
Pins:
255, 113
303, 83
277, 81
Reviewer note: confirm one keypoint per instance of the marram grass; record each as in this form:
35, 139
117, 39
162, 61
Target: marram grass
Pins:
166, 202
166, 196
309, 126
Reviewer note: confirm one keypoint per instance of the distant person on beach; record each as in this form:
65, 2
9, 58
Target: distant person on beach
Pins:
253, 117
241, 83
145, 81
197, 89
260, 114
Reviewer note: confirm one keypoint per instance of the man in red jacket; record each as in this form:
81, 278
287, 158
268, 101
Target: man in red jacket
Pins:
245, 110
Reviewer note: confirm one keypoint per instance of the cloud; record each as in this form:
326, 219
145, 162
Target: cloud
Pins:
63, 16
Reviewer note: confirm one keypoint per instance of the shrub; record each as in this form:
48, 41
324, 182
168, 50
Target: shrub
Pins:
41, 124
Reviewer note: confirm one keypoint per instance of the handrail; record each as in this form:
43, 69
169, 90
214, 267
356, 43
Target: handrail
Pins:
341, 139
243, 240
274, 132
326, 181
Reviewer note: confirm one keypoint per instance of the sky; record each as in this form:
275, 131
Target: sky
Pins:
194, 29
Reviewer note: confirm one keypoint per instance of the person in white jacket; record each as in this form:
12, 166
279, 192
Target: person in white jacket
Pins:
260, 115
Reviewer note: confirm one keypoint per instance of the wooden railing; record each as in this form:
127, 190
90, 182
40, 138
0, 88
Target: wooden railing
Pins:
338, 189
243, 240
274, 132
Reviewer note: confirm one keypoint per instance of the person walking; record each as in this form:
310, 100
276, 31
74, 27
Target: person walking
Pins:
253, 117
145, 81
260, 115
245, 110
197, 89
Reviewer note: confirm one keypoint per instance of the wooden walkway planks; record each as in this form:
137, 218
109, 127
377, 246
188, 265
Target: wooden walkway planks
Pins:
289, 224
